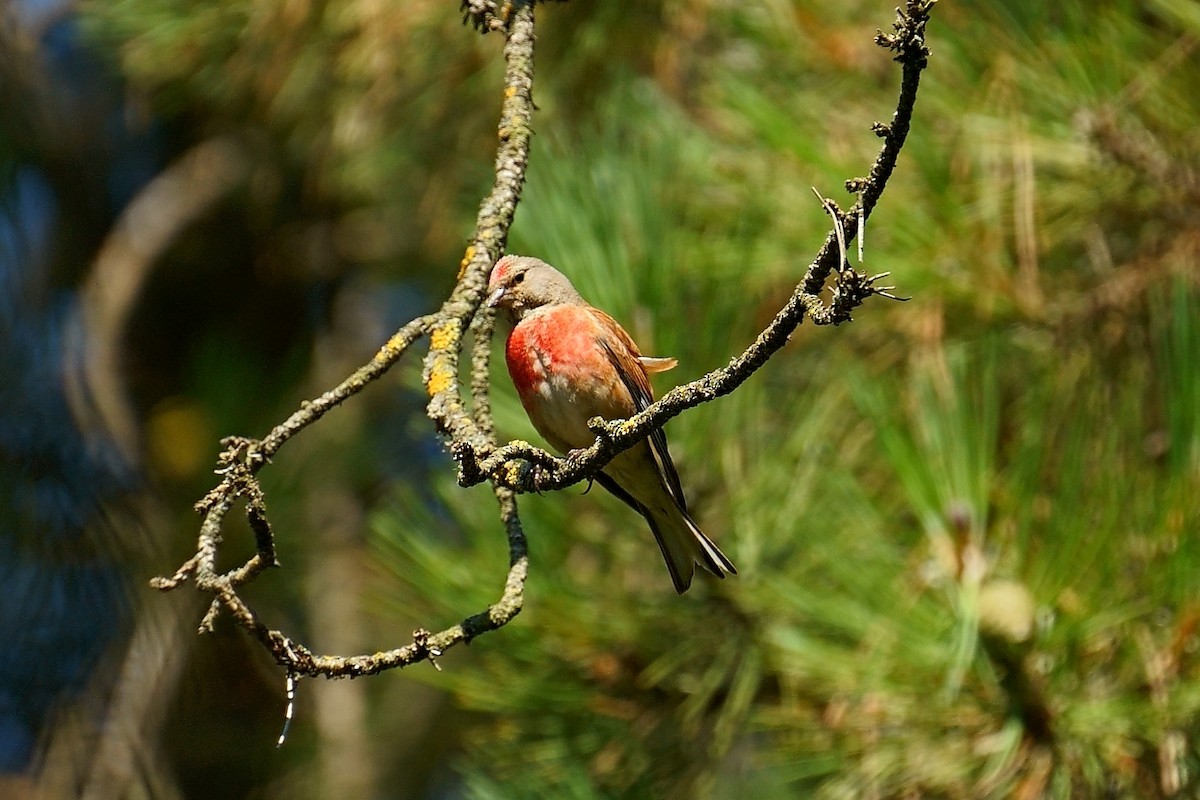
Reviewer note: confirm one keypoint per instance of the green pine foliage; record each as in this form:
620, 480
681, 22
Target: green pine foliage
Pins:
965, 526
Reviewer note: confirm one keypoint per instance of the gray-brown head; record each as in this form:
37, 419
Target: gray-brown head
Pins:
520, 284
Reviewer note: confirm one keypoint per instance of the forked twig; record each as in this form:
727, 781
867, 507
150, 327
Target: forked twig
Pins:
518, 467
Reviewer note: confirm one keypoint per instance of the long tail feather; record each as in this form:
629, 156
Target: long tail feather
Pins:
684, 545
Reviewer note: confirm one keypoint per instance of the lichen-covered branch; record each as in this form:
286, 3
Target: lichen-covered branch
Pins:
491, 234
525, 468
243, 458
466, 420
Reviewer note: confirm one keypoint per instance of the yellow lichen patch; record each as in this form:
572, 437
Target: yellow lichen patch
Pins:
393, 347
444, 336
441, 377
509, 91
441, 373
466, 260
597, 424
510, 471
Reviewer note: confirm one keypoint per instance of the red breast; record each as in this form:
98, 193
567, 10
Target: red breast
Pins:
564, 375
559, 341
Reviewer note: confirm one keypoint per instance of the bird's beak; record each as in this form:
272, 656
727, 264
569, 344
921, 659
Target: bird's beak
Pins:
495, 297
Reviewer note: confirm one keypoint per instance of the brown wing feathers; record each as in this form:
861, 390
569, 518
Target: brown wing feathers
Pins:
633, 375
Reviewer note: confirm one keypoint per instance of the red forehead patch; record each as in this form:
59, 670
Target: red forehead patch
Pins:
498, 271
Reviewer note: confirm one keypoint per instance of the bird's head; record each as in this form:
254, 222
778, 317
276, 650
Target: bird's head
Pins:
520, 284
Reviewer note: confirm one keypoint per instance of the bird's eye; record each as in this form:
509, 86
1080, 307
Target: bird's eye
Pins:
520, 276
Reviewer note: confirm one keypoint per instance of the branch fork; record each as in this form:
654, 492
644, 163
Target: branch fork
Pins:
519, 467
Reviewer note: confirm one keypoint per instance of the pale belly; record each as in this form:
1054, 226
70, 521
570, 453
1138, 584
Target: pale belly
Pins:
560, 412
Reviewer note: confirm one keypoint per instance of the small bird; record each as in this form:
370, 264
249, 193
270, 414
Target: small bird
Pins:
571, 362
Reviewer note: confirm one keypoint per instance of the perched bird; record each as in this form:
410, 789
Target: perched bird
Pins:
571, 362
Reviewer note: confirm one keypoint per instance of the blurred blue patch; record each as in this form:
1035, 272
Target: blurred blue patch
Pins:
66, 598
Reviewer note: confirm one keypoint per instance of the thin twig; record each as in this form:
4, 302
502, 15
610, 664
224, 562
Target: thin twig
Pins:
541, 471
242, 458
518, 466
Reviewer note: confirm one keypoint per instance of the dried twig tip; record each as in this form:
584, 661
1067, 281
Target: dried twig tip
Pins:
884, 291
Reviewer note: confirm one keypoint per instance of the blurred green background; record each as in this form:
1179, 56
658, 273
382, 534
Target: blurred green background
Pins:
965, 525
